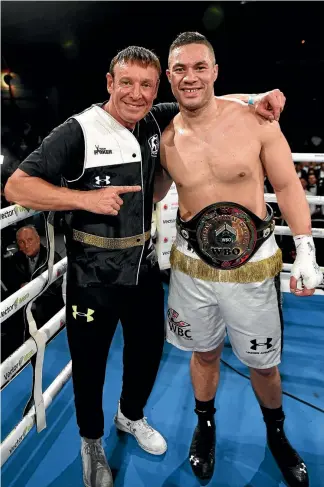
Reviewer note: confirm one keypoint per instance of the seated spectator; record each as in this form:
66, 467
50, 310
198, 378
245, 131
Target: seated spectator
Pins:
304, 183
311, 172
300, 170
320, 183
314, 187
321, 171
30, 262
314, 168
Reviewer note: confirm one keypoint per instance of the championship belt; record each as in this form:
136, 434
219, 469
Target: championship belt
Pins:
226, 235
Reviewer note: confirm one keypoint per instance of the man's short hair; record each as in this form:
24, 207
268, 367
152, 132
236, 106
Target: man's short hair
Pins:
24, 227
136, 55
187, 38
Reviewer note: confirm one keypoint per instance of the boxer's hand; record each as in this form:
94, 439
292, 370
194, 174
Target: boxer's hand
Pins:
107, 201
305, 269
270, 104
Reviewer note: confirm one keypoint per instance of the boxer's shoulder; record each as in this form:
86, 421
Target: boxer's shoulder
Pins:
232, 108
254, 122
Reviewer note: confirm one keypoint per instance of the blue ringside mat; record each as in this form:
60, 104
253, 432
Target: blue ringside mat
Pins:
52, 458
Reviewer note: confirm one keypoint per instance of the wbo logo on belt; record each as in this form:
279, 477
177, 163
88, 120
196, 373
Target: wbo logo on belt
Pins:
226, 235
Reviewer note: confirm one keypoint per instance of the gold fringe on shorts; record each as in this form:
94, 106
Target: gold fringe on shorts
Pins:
249, 272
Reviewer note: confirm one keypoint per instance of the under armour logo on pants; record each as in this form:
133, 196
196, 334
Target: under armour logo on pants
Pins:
88, 314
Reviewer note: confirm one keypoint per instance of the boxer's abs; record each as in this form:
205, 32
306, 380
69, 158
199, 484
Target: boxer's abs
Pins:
202, 194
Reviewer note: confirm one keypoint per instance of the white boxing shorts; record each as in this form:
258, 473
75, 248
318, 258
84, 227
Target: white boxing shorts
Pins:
206, 303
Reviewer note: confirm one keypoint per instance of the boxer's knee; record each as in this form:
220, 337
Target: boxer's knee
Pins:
208, 358
271, 372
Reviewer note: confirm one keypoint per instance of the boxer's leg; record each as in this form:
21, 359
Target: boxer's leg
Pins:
194, 323
256, 338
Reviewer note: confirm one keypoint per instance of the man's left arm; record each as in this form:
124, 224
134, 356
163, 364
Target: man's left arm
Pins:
279, 167
268, 105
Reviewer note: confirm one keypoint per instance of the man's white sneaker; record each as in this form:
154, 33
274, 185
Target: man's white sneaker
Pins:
148, 438
96, 471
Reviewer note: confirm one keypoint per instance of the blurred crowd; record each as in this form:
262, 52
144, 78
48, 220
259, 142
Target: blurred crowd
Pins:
23, 245
311, 176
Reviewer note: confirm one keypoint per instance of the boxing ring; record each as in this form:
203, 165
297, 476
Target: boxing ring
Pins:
15, 367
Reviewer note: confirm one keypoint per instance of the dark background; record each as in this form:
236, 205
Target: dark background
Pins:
60, 52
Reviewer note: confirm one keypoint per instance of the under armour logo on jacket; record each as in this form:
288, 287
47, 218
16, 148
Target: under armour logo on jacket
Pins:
88, 314
102, 181
267, 344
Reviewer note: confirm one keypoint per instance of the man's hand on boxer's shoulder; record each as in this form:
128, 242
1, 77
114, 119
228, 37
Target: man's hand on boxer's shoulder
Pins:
270, 104
107, 201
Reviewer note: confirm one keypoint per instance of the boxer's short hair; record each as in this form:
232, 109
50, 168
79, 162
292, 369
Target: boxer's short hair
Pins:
187, 38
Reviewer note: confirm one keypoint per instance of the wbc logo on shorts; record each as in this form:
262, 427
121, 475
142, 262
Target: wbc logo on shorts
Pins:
178, 327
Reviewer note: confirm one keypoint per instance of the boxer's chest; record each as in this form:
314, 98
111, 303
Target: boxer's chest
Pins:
226, 153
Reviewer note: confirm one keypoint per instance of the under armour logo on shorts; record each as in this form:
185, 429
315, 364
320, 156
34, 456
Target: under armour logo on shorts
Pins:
267, 344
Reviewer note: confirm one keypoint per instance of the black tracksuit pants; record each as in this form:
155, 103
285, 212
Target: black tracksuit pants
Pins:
92, 315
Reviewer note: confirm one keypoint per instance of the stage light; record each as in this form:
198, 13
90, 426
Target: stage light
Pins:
213, 17
7, 79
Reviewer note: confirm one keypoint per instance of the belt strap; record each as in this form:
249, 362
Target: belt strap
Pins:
111, 243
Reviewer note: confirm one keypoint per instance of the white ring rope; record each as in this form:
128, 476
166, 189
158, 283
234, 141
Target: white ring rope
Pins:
19, 433
20, 358
315, 200
316, 232
21, 297
307, 157
15, 362
14, 213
